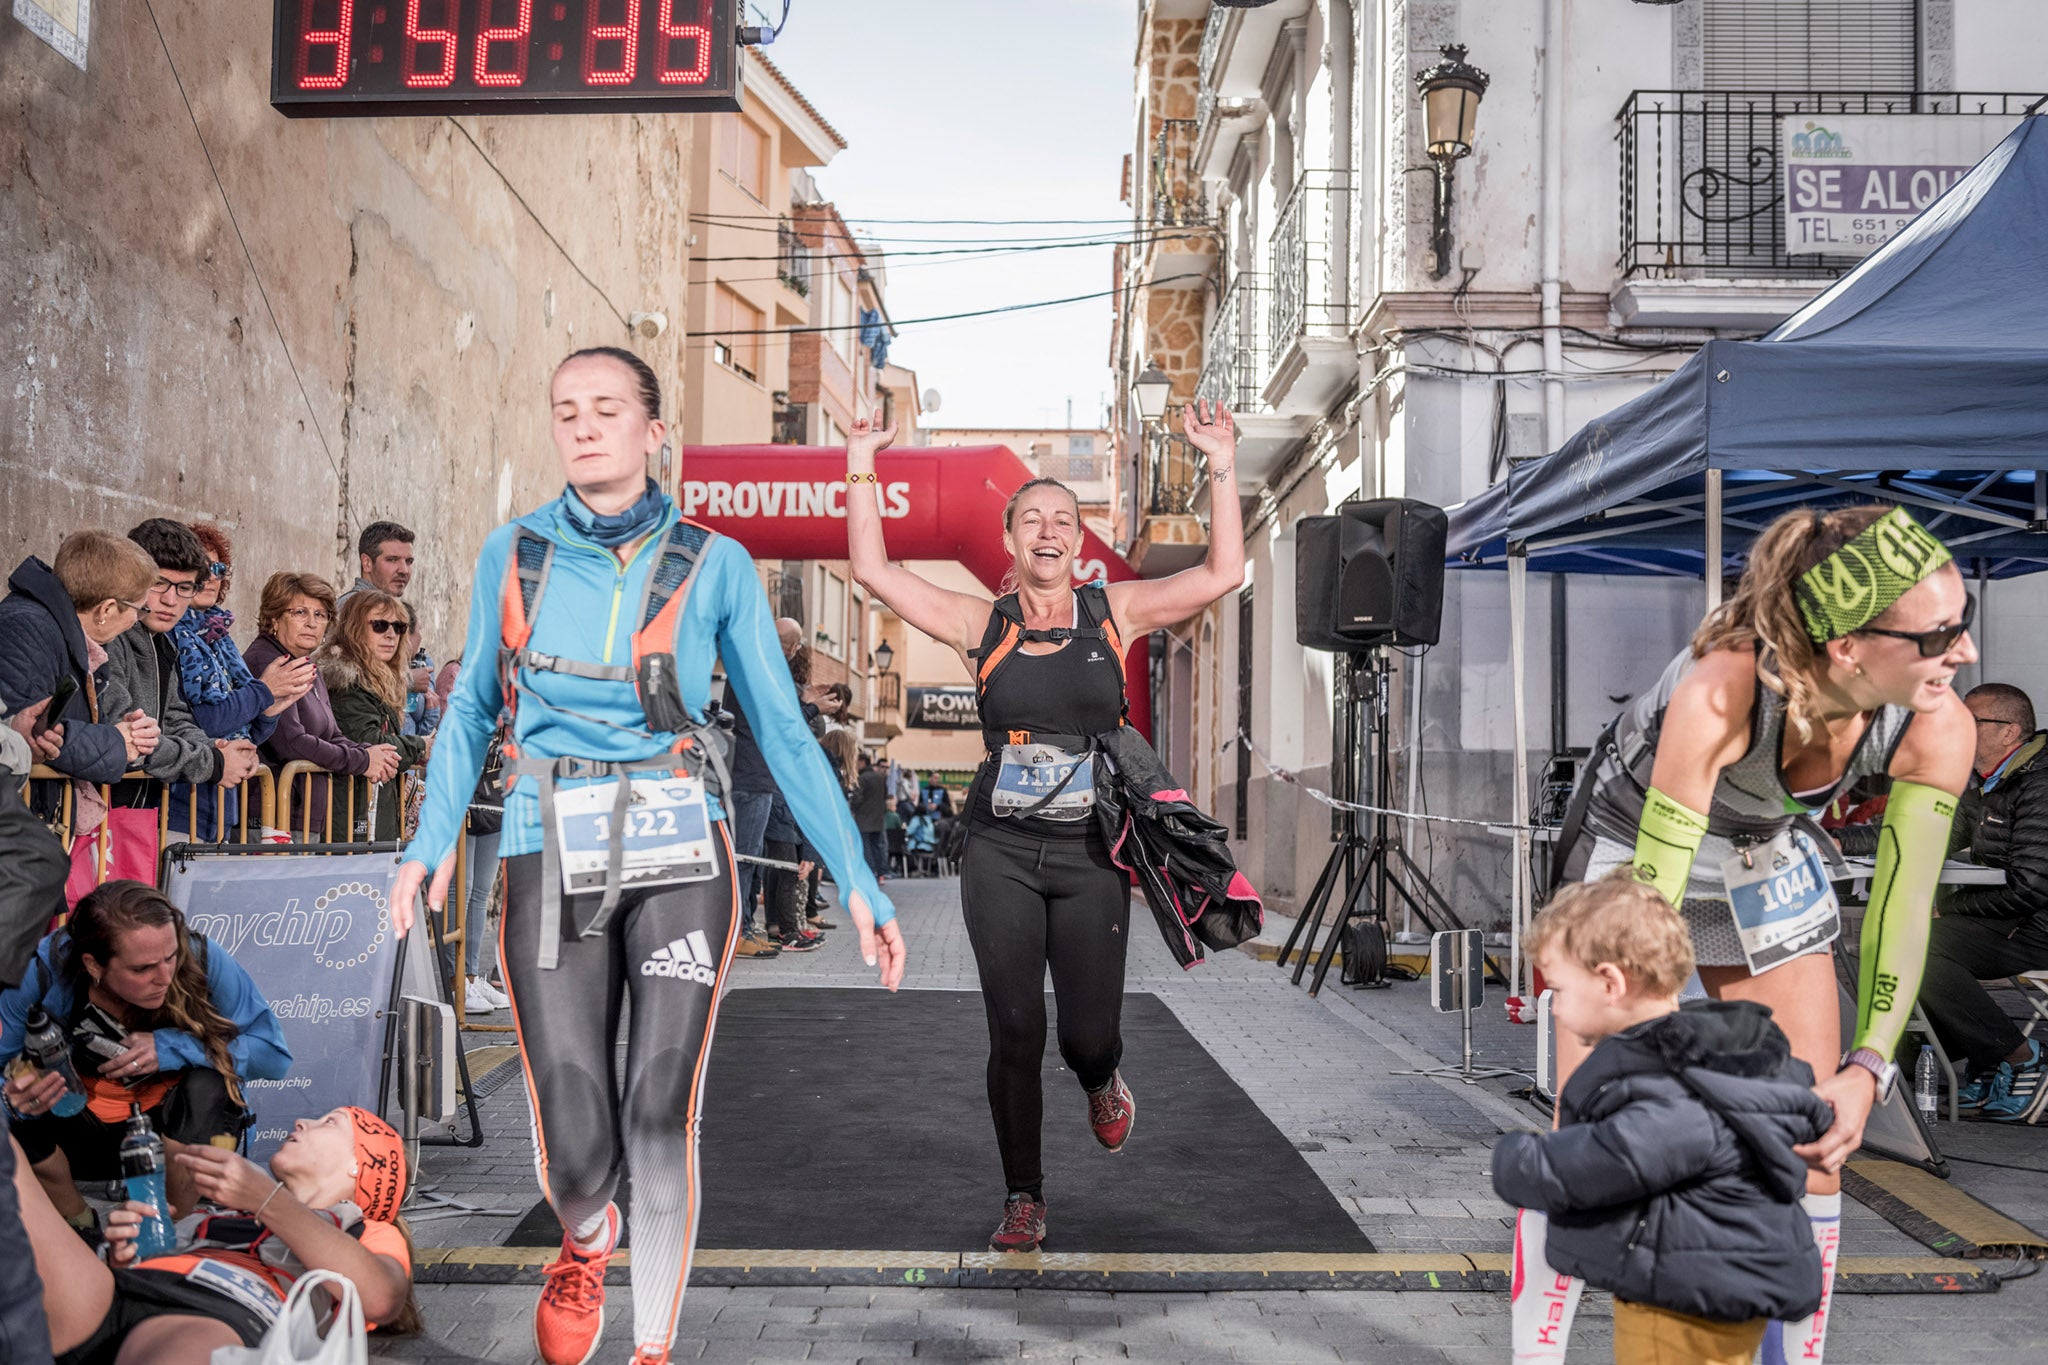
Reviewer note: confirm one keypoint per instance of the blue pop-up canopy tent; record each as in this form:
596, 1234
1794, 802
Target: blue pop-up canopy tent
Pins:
1929, 361
1921, 378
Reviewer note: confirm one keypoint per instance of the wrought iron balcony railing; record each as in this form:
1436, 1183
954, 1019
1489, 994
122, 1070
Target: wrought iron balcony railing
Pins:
1234, 352
1205, 66
1306, 263
792, 258
1173, 471
786, 592
1703, 181
889, 692
1178, 196
792, 424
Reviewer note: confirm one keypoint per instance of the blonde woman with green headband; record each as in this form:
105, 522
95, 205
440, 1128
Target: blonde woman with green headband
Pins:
1832, 661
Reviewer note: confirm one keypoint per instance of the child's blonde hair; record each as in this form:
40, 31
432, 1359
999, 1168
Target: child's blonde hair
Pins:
1620, 919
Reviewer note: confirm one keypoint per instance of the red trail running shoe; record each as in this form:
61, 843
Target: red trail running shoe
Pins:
1111, 1112
570, 1316
1023, 1226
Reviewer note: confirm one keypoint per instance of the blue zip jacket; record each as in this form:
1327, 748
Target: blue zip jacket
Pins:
589, 612
258, 1047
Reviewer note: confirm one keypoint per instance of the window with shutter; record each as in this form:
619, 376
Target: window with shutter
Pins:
1789, 45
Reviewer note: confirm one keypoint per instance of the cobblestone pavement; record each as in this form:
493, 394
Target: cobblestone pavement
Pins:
1407, 1155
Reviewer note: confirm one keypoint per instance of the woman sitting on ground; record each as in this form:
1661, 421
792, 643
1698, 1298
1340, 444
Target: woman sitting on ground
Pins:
329, 1201
363, 669
292, 621
192, 1028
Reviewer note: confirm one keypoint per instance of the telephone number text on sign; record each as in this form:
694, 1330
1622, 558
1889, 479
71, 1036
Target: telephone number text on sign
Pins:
432, 57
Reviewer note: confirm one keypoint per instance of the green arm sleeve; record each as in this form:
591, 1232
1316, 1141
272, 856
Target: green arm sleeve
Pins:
1910, 847
1667, 837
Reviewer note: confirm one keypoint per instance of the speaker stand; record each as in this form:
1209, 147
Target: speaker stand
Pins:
1369, 856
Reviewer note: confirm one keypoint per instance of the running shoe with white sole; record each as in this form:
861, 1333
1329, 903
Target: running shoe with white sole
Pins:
1111, 1112
1023, 1225
491, 992
2016, 1092
570, 1316
475, 1000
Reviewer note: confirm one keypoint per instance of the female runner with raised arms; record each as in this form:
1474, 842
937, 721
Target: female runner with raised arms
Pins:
1830, 663
605, 610
1037, 884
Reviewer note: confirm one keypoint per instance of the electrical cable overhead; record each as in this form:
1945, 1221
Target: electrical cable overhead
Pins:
925, 222
719, 335
987, 249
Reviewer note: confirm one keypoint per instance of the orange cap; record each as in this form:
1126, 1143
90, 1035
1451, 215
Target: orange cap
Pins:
380, 1166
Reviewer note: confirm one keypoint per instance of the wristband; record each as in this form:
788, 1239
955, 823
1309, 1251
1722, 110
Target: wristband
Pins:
868, 477
258, 1211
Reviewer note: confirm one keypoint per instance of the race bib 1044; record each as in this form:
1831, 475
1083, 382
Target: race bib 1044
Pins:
1781, 899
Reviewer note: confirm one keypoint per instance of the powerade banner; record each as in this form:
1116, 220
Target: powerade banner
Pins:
941, 708
314, 933
1853, 180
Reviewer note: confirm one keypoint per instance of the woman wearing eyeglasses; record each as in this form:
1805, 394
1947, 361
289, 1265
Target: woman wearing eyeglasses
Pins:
366, 685
1831, 662
292, 622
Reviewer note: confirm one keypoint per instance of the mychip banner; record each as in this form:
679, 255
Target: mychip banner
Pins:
314, 933
1853, 180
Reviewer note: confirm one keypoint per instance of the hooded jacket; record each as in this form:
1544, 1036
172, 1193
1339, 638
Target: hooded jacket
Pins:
142, 674
41, 643
1671, 1179
1180, 856
368, 719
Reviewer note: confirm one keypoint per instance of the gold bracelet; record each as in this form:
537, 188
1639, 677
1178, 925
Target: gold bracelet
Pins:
267, 1198
861, 478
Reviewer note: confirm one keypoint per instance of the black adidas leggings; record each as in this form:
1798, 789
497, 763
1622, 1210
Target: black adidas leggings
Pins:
670, 946
1031, 904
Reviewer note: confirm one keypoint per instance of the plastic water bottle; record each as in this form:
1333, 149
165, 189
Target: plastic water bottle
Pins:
46, 1046
142, 1168
1927, 1084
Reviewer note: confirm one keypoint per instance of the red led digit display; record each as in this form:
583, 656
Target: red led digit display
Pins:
337, 58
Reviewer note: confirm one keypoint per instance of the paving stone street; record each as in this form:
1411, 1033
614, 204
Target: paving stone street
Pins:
1406, 1155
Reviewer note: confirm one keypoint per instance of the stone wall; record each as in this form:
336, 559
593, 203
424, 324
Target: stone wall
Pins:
356, 320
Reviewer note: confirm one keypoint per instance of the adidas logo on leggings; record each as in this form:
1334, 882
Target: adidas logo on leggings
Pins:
688, 957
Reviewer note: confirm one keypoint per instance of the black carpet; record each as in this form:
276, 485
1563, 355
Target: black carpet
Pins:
847, 1120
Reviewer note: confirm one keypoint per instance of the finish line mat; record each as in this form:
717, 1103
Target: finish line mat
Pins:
843, 1119
1937, 1214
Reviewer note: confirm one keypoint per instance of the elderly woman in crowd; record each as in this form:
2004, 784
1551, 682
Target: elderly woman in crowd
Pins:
362, 668
291, 622
227, 700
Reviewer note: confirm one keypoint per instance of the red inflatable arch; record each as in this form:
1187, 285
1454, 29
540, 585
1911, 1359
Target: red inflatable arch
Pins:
938, 502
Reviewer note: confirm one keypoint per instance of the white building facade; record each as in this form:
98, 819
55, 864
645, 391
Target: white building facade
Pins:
1620, 206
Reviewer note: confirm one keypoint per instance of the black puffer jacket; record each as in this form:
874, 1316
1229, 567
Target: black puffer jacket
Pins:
2007, 827
1671, 1180
41, 643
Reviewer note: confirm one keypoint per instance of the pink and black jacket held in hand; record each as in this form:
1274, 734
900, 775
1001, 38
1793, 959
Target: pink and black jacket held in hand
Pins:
1178, 854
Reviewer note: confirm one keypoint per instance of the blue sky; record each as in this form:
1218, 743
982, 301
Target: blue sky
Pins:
981, 109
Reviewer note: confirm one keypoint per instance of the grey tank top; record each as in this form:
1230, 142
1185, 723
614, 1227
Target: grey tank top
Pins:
1751, 802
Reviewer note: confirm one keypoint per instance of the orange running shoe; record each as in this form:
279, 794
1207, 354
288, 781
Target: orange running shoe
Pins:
570, 1317
651, 1355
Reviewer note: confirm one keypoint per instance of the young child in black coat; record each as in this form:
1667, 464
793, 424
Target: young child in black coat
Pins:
1671, 1178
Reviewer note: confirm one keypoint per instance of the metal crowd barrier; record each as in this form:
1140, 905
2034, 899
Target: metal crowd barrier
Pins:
255, 793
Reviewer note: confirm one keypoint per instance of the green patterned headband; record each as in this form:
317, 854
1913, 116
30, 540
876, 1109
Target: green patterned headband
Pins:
1853, 586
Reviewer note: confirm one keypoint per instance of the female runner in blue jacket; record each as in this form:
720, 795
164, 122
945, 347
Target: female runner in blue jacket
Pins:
667, 935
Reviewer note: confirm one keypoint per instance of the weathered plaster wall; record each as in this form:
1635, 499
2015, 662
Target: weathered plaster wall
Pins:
424, 276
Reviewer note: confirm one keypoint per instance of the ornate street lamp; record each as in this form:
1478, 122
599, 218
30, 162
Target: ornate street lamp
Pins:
884, 656
1451, 91
1152, 390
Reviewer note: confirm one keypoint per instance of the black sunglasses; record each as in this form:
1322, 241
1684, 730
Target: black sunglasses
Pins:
1932, 644
386, 627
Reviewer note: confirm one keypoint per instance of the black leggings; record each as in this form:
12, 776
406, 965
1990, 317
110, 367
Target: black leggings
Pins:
1031, 904
670, 946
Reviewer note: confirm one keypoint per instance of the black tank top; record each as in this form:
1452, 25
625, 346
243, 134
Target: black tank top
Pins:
1078, 689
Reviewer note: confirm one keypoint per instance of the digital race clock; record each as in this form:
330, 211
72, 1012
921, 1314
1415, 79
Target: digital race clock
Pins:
429, 57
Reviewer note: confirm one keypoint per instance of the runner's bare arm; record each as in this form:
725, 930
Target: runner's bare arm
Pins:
1144, 605
952, 618
1706, 727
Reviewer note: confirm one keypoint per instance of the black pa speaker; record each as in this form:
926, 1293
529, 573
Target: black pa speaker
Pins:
1372, 574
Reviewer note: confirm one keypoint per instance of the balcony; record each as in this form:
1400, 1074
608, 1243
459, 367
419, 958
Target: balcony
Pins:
1307, 313
1237, 47
1170, 535
792, 423
1178, 198
792, 258
1702, 192
1235, 367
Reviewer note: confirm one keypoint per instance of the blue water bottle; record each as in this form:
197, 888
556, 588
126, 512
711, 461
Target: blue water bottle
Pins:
46, 1046
142, 1167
